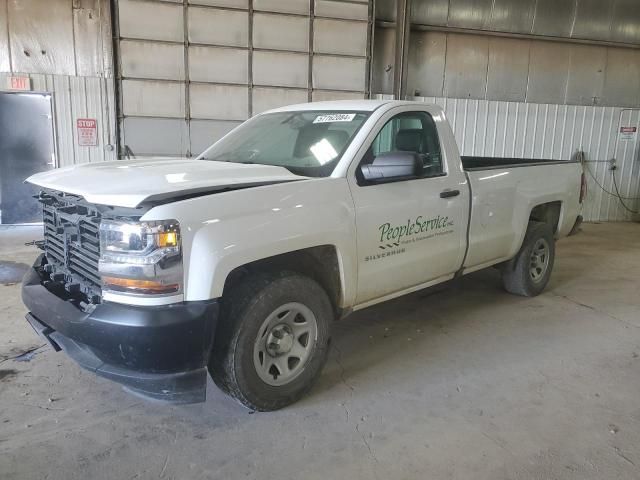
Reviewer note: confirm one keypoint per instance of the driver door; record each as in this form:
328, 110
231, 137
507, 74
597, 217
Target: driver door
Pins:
407, 234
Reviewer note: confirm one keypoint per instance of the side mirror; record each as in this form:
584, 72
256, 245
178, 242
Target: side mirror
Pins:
392, 166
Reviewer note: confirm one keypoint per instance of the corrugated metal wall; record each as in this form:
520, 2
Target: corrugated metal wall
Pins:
190, 71
525, 130
64, 46
527, 78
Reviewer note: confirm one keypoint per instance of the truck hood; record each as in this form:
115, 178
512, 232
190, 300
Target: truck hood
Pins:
131, 183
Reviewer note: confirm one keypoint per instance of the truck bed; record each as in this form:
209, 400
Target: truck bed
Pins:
472, 163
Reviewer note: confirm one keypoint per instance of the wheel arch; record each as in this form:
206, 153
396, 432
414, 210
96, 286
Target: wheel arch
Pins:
548, 212
321, 263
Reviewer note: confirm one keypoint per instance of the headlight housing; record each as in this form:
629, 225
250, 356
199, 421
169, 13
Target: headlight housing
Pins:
141, 258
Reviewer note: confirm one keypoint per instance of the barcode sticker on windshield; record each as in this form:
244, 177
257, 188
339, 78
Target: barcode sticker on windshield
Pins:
336, 117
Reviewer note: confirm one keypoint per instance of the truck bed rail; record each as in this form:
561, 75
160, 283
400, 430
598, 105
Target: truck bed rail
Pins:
487, 163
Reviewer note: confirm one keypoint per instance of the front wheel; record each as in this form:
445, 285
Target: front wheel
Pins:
273, 340
529, 272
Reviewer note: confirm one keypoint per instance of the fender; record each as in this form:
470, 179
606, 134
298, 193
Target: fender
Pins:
225, 231
503, 200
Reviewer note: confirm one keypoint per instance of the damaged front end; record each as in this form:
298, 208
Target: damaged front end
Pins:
158, 351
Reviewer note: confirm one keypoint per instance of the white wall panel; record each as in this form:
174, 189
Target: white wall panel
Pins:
153, 60
628, 162
280, 69
466, 66
150, 20
622, 78
326, 95
340, 37
281, 32
268, 98
61, 87
512, 15
148, 98
427, 53
554, 18
84, 104
508, 69
527, 130
593, 19
218, 27
221, 3
155, 136
469, 13
223, 65
286, 6
238, 61
339, 73
5, 64
92, 38
587, 66
340, 9
82, 98
56, 37
41, 36
430, 12
383, 63
548, 72
625, 20
220, 102
205, 132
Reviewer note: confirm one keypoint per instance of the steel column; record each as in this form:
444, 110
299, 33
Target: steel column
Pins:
402, 48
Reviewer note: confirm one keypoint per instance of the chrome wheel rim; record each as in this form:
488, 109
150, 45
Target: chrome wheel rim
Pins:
284, 344
539, 260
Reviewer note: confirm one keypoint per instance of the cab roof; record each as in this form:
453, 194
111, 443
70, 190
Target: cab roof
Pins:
338, 105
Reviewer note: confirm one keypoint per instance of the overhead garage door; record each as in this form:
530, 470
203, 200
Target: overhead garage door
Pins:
191, 71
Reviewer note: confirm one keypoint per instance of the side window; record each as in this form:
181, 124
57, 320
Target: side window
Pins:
410, 132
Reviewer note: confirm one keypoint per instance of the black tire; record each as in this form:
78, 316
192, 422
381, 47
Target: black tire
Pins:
517, 276
243, 312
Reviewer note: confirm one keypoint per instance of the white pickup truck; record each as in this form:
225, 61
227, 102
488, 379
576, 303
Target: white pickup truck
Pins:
237, 262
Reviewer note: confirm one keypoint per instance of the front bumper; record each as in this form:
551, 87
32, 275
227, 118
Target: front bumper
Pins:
158, 352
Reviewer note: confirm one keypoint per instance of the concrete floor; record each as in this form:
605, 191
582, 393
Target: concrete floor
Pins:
464, 383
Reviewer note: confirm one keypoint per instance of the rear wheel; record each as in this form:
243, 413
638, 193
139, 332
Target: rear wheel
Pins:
529, 272
273, 340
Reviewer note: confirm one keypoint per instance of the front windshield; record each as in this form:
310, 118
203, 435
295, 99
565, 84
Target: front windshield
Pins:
308, 143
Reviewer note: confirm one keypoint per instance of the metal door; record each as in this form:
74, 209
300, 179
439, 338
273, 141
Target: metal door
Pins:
26, 147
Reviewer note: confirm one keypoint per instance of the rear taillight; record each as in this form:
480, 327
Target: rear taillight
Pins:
583, 187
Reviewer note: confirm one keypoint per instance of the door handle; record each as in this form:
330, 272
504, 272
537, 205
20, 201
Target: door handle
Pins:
449, 193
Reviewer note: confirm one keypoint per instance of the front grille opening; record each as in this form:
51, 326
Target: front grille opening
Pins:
72, 247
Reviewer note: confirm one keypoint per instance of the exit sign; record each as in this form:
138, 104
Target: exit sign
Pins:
19, 83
